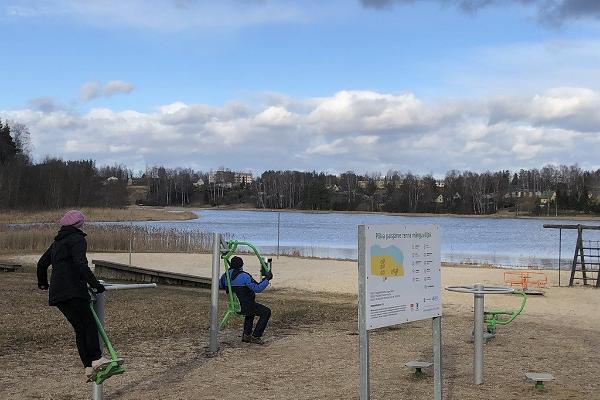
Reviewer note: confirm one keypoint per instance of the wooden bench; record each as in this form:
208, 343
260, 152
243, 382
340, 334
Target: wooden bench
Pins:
539, 378
8, 267
418, 366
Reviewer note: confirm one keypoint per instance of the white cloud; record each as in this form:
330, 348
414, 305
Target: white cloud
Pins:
359, 130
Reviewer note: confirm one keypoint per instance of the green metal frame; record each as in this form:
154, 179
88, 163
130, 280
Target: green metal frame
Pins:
233, 304
493, 318
114, 368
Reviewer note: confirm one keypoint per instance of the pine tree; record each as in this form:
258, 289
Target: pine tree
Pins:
8, 148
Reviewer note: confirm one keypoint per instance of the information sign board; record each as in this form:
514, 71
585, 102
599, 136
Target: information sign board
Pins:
402, 268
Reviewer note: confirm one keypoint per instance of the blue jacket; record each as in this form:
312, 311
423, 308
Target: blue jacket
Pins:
244, 287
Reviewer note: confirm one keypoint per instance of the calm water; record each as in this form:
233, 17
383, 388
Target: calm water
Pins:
511, 242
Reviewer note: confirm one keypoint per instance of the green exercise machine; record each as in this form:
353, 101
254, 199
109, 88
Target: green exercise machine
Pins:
115, 367
494, 318
228, 249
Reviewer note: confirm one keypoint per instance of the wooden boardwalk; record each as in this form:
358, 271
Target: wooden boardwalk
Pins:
123, 272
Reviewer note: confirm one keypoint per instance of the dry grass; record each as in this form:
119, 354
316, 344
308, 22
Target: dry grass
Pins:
312, 354
97, 215
106, 238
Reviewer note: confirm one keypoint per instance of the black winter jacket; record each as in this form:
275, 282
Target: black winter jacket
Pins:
70, 271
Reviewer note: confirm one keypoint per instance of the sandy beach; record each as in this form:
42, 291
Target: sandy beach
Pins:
312, 338
334, 276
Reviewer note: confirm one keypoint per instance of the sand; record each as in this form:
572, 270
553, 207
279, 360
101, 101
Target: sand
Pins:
559, 304
312, 348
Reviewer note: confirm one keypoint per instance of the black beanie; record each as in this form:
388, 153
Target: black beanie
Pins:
236, 262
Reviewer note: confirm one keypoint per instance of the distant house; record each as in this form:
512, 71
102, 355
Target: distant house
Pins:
439, 199
547, 197
199, 183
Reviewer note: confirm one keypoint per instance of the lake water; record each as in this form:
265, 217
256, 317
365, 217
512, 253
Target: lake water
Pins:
498, 241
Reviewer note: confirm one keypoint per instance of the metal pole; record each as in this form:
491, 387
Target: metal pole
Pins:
478, 335
559, 252
363, 333
99, 308
214, 294
130, 234
437, 358
278, 223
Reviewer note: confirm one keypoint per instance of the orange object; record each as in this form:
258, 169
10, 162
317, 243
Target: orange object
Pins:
525, 279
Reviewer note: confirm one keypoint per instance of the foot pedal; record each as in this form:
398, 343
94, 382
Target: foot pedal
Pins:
115, 367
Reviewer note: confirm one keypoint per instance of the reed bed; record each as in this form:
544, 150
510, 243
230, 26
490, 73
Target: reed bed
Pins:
97, 215
106, 238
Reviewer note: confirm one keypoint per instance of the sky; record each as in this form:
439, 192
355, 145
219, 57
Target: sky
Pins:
370, 86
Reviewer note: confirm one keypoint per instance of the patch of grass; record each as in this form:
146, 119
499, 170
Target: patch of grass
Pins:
97, 215
102, 238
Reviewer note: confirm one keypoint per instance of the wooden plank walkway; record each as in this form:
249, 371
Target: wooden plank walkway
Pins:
9, 267
123, 272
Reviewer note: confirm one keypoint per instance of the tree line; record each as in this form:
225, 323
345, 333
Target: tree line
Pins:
54, 183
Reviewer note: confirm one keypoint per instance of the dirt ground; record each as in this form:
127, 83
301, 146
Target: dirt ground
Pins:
311, 353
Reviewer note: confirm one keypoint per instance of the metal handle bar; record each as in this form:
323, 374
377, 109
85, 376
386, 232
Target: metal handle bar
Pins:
486, 289
123, 286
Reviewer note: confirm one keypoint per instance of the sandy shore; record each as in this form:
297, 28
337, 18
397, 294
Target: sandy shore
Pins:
560, 304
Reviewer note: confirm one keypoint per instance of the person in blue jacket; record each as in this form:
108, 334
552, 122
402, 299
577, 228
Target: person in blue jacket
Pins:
245, 288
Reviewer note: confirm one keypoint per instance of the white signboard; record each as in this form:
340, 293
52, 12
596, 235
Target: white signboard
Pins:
403, 274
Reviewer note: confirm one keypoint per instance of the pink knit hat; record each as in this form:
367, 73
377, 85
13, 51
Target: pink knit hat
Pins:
72, 218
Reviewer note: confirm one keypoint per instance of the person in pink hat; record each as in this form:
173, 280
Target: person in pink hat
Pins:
68, 286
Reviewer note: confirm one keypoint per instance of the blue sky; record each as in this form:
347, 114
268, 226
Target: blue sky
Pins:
338, 85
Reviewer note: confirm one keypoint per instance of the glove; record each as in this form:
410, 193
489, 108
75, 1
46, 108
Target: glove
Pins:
43, 286
99, 289
269, 275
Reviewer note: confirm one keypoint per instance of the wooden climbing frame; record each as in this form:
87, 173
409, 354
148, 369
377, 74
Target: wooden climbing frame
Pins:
586, 258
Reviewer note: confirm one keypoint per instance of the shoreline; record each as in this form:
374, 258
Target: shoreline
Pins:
586, 217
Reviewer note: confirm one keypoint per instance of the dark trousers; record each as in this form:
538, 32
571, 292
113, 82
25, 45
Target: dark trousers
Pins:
79, 315
263, 313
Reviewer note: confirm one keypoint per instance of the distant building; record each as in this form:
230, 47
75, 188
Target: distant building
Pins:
228, 178
547, 197
243, 178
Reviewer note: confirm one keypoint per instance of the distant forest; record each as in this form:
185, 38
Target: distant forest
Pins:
54, 183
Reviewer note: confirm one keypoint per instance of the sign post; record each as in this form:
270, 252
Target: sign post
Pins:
399, 281
363, 333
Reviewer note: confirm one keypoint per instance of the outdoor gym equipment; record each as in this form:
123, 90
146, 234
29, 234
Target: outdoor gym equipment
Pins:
228, 249
525, 279
418, 367
223, 249
539, 378
503, 317
115, 367
479, 291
